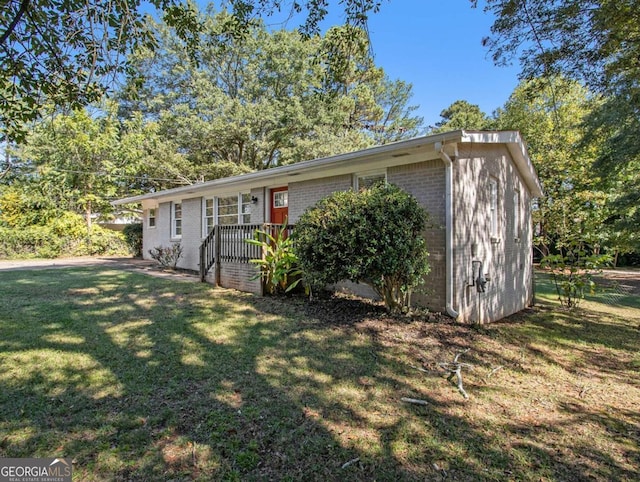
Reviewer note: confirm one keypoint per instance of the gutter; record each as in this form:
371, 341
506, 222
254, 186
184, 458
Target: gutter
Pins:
448, 214
314, 165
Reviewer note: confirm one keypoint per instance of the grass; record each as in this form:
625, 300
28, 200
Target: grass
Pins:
140, 378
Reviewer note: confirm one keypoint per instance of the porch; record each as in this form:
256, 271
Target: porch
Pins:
225, 255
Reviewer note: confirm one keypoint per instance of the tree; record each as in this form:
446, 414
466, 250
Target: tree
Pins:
596, 42
67, 53
578, 204
462, 115
267, 98
373, 236
84, 160
397, 121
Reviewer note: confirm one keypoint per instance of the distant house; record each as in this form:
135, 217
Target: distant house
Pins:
476, 185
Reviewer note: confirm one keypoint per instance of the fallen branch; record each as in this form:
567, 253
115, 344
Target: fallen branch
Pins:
455, 369
415, 401
350, 462
584, 391
420, 369
492, 372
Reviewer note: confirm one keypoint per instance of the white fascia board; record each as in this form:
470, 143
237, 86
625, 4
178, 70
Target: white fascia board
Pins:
285, 174
404, 152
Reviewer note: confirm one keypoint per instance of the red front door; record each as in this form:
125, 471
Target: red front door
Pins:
279, 204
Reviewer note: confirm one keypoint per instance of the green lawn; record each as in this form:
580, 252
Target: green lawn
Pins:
141, 378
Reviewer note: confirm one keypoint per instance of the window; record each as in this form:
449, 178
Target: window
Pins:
245, 212
281, 199
493, 208
176, 220
151, 218
209, 216
369, 179
226, 210
516, 215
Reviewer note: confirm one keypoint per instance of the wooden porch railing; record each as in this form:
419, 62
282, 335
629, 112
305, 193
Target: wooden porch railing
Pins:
226, 243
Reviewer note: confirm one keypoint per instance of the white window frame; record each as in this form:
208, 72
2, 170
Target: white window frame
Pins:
244, 207
176, 221
208, 217
243, 215
152, 216
494, 205
359, 175
276, 194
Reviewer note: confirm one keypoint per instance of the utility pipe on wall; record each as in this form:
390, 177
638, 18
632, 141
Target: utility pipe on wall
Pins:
448, 214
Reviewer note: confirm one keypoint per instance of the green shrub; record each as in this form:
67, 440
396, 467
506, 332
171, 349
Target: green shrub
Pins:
104, 242
372, 236
63, 236
279, 269
573, 272
68, 225
133, 236
29, 242
167, 256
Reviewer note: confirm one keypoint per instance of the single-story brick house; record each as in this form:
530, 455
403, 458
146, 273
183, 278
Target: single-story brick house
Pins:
476, 185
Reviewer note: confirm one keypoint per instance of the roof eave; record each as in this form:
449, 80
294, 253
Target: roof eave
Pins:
299, 167
518, 150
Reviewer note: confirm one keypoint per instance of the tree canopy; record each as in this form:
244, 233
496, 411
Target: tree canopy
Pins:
251, 102
267, 98
580, 205
462, 115
68, 53
596, 42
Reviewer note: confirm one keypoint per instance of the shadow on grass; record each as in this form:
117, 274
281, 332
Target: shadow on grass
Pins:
609, 291
138, 378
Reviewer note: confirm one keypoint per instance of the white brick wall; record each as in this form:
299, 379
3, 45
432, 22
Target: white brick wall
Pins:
258, 209
426, 182
191, 234
506, 260
158, 236
238, 276
306, 193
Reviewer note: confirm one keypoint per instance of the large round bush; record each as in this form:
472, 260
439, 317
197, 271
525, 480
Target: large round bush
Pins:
372, 236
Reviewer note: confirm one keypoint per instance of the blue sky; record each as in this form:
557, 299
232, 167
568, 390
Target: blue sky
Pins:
433, 44
436, 46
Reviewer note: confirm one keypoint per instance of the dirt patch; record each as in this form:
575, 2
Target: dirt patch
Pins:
343, 309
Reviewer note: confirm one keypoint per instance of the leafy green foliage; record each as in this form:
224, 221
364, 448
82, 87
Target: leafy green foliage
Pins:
279, 269
79, 162
133, 235
62, 54
266, 98
573, 273
64, 236
462, 115
372, 236
578, 203
583, 39
26, 204
68, 53
167, 256
592, 42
